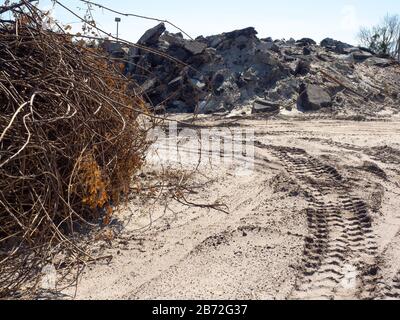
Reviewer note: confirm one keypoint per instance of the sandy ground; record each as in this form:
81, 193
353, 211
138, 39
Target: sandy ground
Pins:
317, 217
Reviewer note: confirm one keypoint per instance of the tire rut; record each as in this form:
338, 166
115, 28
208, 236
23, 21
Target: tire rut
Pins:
392, 291
340, 250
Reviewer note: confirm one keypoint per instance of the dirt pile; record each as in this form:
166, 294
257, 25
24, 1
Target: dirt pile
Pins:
233, 69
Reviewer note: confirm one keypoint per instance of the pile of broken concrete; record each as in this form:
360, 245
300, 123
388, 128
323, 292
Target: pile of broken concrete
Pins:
236, 69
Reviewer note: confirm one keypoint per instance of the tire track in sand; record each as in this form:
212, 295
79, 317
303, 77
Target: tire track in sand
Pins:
340, 250
393, 292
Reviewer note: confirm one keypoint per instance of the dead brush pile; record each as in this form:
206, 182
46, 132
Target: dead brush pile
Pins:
71, 139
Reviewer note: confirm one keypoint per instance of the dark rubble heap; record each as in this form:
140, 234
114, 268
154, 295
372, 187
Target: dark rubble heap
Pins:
237, 69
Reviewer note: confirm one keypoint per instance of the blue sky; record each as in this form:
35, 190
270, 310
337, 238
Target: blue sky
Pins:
339, 19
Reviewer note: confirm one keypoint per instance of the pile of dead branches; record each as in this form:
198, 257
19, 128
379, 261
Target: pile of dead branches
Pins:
71, 138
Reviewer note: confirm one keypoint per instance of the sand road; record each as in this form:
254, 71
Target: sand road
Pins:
316, 217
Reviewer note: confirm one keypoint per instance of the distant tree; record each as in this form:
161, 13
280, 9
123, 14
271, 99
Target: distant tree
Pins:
383, 38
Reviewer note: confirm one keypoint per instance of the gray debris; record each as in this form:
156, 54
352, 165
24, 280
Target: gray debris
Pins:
380, 62
264, 106
269, 46
305, 42
198, 84
148, 85
313, 98
335, 46
360, 56
307, 51
152, 35
350, 50
194, 47
175, 83
226, 71
302, 68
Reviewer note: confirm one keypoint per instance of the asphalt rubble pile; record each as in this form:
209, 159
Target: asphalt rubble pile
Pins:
237, 71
